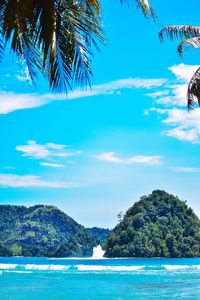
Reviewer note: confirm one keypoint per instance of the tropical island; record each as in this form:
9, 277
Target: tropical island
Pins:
44, 231
158, 225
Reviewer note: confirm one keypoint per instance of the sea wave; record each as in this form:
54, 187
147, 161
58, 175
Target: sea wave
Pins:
7, 266
108, 268
18, 271
46, 267
180, 267
85, 267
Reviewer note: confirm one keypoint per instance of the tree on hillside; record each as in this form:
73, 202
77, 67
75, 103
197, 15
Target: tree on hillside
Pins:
158, 225
55, 37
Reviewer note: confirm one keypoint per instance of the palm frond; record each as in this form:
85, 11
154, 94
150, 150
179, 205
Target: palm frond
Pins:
145, 7
68, 46
56, 37
18, 25
2, 46
194, 42
179, 31
193, 93
190, 36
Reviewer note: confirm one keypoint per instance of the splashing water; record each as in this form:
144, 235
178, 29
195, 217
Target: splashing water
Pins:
98, 252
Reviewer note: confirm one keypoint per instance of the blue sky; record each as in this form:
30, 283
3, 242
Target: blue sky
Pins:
94, 153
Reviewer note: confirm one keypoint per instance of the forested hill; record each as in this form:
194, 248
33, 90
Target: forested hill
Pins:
100, 234
159, 225
42, 231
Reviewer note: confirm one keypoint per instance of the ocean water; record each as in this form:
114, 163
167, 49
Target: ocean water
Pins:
95, 279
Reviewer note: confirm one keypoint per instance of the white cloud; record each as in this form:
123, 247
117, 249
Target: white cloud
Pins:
109, 157
10, 101
128, 83
31, 181
183, 72
137, 159
146, 160
186, 169
46, 151
157, 94
51, 165
24, 75
182, 134
182, 125
175, 94
21, 78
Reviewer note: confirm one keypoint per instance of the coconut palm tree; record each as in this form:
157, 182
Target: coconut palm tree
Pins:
190, 36
55, 37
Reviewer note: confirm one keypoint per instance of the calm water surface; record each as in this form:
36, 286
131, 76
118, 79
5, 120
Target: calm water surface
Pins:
105, 279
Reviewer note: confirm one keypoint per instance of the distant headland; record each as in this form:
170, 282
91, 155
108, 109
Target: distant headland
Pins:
45, 231
158, 225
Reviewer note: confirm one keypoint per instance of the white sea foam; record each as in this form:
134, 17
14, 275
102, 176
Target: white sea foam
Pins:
197, 267
175, 267
20, 272
98, 252
8, 266
46, 267
108, 268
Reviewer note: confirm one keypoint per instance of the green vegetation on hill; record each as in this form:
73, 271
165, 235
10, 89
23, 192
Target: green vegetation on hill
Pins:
159, 225
100, 234
42, 231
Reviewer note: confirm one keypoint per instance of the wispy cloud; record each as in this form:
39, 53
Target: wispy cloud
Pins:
184, 126
51, 165
171, 104
10, 101
157, 94
31, 181
174, 94
183, 72
185, 169
49, 155
116, 86
23, 75
34, 150
137, 159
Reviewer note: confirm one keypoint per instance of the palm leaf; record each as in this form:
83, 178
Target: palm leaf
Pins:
18, 25
56, 37
179, 31
74, 30
69, 44
2, 46
194, 42
193, 93
145, 6
190, 36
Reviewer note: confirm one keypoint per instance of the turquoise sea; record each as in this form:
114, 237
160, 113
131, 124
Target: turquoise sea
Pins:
105, 279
